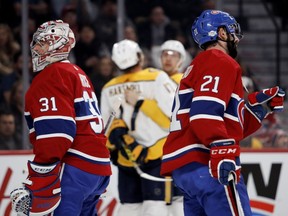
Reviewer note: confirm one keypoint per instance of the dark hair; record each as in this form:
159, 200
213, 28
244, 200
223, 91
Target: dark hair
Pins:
208, 44
5, 111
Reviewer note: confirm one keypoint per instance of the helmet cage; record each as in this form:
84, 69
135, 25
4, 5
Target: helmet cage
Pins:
235, 29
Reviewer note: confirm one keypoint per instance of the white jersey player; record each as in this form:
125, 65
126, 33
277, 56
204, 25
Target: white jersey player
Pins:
142, 125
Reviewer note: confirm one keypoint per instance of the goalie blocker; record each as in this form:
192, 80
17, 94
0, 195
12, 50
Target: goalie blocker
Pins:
41, 193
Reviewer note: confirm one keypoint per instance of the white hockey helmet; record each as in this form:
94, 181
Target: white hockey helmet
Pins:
52, 42
176, 46
125, 54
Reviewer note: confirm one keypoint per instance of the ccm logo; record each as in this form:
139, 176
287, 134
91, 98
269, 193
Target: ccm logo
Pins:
224, 151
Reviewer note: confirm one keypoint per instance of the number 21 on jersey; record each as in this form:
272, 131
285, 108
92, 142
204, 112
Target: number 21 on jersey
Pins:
209, 84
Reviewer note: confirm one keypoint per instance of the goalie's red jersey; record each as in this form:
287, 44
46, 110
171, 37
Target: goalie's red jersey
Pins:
208, 106
64, 120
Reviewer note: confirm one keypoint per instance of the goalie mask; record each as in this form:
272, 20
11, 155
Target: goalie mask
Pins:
51, 42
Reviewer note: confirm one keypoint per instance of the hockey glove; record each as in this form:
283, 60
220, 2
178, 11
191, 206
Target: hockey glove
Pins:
134, 151
271, 98
274, 97
117, 130
41, 192
224, 160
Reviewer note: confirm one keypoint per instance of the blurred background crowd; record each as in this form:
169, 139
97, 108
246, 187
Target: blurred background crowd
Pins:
94, 23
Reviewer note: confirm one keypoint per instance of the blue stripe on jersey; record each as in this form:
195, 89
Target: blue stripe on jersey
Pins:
55, 126
185, 97
185, 100
29, 120
86, 109
232, 108
89, 160
206, 107
82, 108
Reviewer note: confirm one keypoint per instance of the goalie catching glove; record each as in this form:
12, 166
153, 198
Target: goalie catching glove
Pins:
128, 146
41, 192
273, 98
224, 161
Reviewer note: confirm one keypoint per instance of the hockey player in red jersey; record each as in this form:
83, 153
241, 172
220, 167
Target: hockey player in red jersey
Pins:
66, 131
210, 117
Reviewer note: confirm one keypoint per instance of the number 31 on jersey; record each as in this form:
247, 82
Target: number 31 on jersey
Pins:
91, 106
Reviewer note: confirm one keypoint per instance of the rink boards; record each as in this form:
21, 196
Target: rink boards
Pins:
265, 173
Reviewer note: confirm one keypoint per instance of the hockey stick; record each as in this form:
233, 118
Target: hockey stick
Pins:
116, 106
232, 186
142, 174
